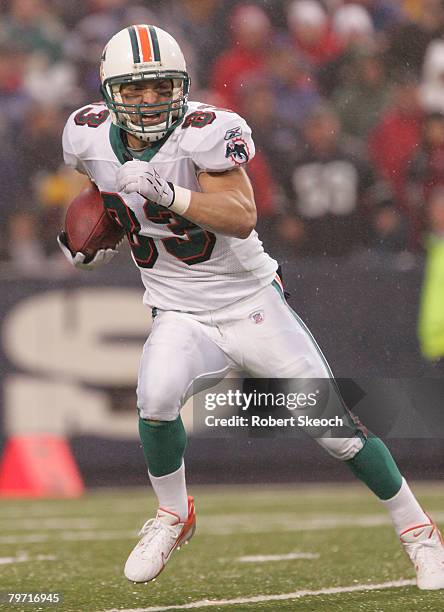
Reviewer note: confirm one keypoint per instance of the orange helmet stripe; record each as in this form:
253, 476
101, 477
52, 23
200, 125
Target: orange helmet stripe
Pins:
145, 44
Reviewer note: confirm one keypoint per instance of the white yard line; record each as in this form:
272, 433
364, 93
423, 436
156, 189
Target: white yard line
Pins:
209, 603
70, 536
288, 557
55, 522
290, 522
222, 525
23, 558
30, 508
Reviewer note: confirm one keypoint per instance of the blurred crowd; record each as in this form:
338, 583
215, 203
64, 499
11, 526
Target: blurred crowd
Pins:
345, 99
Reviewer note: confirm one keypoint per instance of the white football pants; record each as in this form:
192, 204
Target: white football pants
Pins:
259, 335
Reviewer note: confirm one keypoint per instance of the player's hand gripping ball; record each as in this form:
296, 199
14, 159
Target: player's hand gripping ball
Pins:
90, 236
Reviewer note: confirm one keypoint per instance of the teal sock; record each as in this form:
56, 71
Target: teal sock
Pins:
163, 444
375, 466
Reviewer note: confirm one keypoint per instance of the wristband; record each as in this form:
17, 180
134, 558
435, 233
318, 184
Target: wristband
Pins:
181, 200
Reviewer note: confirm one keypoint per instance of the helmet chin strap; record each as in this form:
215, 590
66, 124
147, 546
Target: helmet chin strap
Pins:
161, 130
148, 136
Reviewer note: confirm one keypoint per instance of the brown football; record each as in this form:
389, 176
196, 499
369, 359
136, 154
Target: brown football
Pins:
88, 226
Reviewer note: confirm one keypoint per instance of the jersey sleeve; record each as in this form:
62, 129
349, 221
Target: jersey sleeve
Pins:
69, 154
221, 144
76, 140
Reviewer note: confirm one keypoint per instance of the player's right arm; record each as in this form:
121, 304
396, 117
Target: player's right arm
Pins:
74, 148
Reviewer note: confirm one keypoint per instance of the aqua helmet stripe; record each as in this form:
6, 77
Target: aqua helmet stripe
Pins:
155, 43
134, 44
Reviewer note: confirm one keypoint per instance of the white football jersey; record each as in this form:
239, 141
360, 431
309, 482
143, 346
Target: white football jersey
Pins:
183, 267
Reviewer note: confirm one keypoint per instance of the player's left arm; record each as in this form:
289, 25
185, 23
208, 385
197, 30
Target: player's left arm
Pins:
225, 205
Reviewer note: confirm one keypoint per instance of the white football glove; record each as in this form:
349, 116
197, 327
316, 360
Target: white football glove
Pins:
78, 259
140, 177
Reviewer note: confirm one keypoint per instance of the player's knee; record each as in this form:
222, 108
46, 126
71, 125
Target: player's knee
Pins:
158, 404
342, 448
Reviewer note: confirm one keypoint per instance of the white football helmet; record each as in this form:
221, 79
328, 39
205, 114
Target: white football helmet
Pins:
137, 53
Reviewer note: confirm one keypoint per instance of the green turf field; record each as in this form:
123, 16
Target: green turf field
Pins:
337, 536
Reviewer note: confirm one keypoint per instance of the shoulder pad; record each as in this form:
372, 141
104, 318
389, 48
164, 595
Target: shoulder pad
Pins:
81, 131
216, 139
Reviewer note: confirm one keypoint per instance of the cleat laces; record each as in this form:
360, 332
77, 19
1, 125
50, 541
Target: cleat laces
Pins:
154, 528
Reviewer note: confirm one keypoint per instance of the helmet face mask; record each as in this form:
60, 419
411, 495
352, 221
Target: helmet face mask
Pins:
130, 117
137, 55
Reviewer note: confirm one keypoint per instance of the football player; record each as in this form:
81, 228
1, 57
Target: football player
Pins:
172, 173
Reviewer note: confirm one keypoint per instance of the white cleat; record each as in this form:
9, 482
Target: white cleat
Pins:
424, 546
160, 537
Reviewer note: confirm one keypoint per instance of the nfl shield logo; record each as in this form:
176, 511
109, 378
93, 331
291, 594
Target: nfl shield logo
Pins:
257, 317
